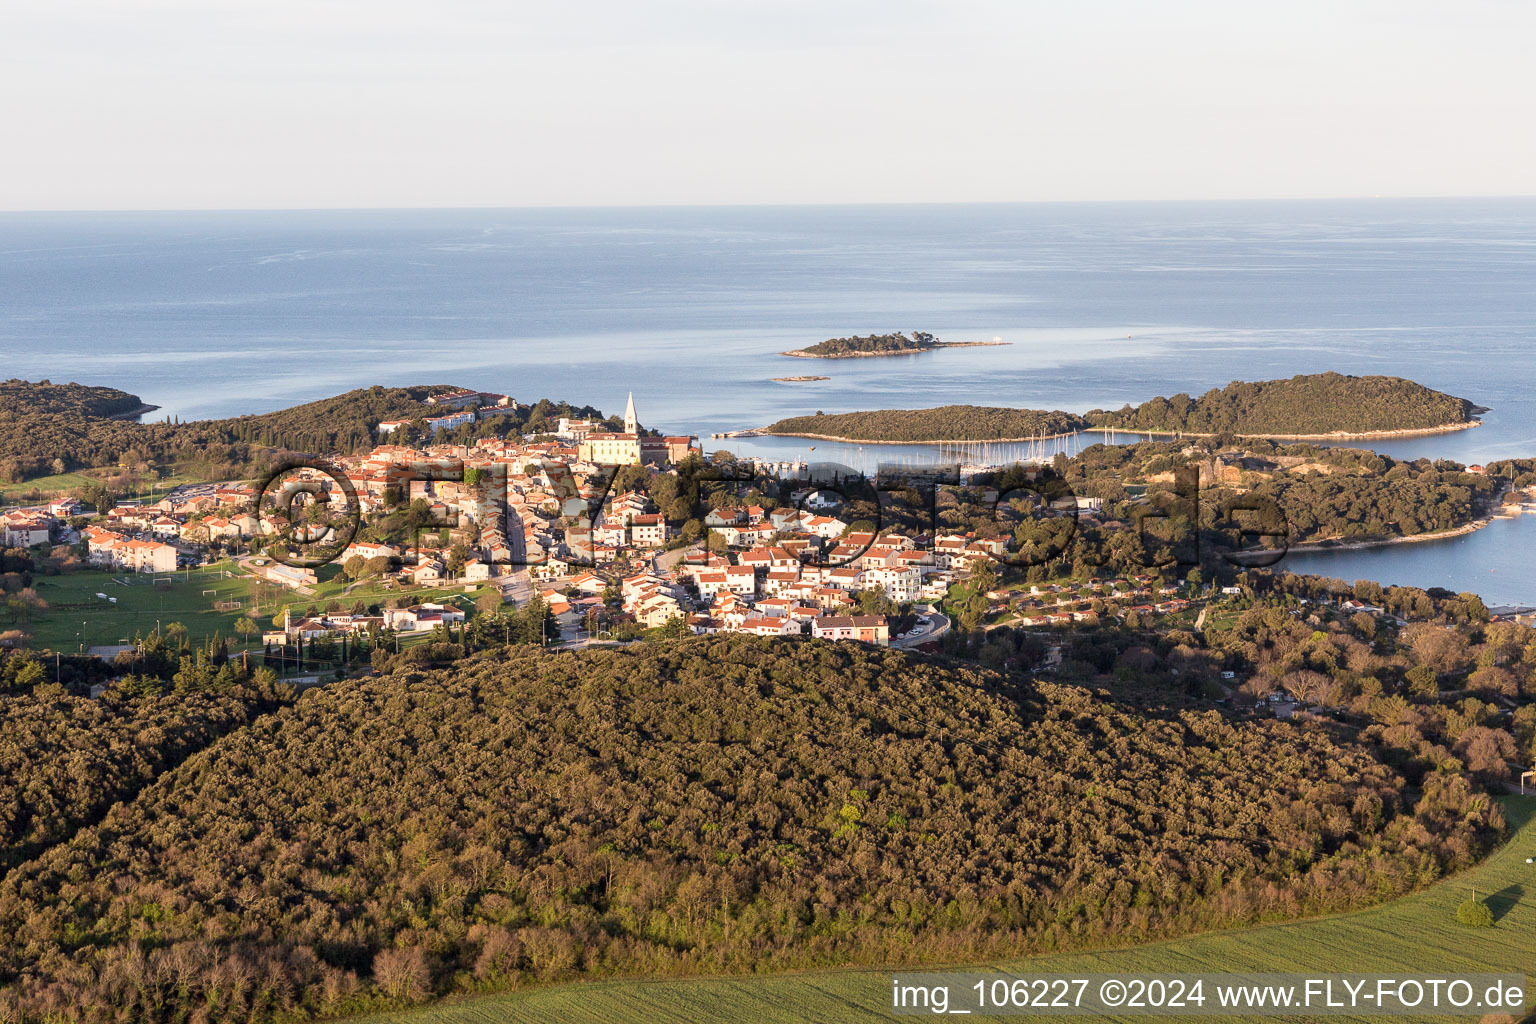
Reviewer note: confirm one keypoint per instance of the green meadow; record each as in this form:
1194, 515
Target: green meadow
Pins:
1417, 934
60, 485
76, 617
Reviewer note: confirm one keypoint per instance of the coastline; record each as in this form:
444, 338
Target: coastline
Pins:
1338, 435
800, 353
133, 414
765, 432
1416, 538
1362, 545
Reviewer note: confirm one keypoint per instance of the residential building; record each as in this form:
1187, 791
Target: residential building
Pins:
870, 629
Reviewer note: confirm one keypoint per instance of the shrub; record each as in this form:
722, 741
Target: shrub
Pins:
1474, 914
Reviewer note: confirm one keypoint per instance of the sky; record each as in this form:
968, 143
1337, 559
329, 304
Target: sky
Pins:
223, 104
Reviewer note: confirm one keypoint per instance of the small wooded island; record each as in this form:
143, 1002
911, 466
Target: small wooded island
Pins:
898, 344
1306, 407
946, 423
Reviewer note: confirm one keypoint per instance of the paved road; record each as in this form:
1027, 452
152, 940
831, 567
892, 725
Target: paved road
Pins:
668, 559
934, 625
517, 587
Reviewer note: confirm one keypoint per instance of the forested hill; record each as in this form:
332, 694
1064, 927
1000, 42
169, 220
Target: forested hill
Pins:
1309, 404
48, 428
344, 422
945, 423
65, 760
45, 398
713, 804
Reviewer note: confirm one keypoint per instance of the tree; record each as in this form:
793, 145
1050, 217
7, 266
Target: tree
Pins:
30, 674
1486, 751
1308, 686
1258, 687
245, 627
402, 974
1474, 913
1423, 682
674, 628
873, 601
1494, 680
536, 623
1444, 650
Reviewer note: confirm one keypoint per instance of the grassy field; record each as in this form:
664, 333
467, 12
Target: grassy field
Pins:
47, 486
61, 485
334, 587
75, 614
1417, 934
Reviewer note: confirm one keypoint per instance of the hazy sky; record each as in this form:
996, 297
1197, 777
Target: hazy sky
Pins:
323, 103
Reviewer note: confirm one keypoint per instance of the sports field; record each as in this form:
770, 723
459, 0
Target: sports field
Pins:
76, 617
1417, 934
334, 586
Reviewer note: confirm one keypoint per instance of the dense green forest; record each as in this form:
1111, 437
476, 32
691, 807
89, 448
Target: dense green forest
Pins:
1323, 403
45, 398
897, 344
51, 437
714, 804
1319, 403
946, 423
1519, 472
65, 760
53, 429
1325, 493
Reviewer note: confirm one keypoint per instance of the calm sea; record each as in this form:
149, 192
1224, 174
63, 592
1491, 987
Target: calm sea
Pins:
208, 314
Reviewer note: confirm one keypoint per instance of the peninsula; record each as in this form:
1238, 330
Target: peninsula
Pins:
871, 345
48, 429
1319, 406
